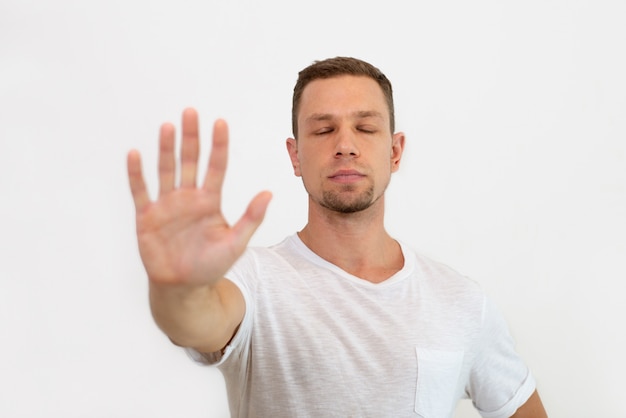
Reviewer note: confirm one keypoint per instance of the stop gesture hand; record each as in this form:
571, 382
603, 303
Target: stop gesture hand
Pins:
183, 236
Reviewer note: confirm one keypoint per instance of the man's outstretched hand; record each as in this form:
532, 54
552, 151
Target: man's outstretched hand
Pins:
183, 236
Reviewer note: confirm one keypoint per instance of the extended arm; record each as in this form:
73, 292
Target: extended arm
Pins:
185, 243
533, 408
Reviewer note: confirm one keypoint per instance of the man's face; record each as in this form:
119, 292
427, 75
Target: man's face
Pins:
345, 152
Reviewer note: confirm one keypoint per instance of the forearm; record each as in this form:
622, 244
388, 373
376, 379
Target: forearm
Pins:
194, 316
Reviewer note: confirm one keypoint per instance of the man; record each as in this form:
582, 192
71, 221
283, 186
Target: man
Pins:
340, 319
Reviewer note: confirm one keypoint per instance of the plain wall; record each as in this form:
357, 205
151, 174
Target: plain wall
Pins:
514, 174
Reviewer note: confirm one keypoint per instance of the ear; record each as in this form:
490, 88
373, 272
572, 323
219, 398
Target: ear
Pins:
292, 149
397, 148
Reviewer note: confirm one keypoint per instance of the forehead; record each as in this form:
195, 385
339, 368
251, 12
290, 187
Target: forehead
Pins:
342, 95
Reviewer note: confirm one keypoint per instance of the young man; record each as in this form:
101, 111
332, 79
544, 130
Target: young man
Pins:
340, 319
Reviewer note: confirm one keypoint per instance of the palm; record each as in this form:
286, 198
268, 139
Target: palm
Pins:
183, 236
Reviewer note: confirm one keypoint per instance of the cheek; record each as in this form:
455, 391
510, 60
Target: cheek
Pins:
302, 167
308, 161
307, 170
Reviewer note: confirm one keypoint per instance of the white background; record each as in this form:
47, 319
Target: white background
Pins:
514, 174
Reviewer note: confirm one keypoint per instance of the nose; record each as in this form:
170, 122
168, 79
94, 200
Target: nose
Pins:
346, 145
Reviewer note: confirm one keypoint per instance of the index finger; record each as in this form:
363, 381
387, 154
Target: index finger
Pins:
214, 178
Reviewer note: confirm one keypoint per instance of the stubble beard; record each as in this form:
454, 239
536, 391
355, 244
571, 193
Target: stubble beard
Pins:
340, 201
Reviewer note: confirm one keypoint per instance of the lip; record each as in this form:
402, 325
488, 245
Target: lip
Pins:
346, 176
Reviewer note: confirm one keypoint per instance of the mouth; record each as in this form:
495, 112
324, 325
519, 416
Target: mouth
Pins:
346, 176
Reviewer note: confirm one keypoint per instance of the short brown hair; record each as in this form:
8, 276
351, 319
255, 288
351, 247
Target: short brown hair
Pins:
333, 67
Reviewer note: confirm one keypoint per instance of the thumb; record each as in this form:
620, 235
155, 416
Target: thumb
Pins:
251, 219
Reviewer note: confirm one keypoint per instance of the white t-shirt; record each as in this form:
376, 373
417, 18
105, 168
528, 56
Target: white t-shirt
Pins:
316, 341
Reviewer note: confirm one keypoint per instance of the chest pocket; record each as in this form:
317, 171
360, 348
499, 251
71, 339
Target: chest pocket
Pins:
437, 379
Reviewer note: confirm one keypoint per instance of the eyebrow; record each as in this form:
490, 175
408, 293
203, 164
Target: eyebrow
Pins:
359, 114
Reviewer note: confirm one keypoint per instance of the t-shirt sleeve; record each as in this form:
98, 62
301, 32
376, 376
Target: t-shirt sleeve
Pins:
242, 274
500, 382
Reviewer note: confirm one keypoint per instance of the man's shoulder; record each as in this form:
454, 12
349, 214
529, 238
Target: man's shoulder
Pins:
437, 274
257, 256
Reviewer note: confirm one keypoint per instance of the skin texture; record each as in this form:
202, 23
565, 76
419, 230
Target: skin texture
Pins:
345, 155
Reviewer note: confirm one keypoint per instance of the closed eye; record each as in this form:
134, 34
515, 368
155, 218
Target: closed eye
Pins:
367, 129
323, 131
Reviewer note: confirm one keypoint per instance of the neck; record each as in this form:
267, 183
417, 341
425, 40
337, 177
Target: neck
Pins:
355, 242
